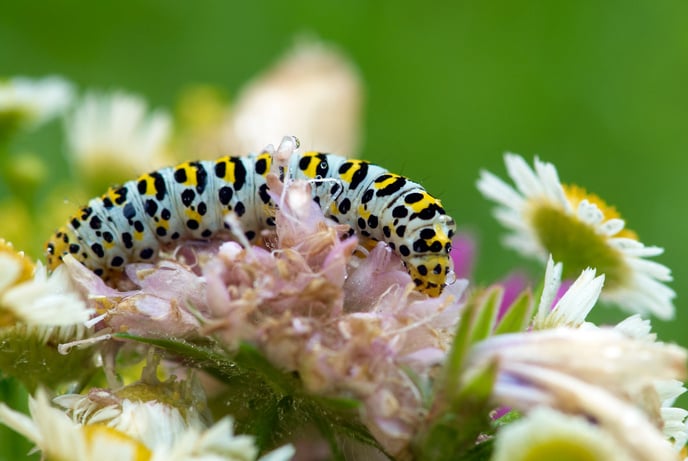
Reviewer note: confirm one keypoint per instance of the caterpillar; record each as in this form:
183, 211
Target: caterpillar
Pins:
131, 222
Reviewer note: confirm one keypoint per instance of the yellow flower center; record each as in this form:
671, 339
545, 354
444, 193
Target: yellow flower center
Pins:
15, 268
24, 264
576, 194
559, 449
577, 244
100, 438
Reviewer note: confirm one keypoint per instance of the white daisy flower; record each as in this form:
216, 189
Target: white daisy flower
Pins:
592, 372
548, 434
31, 102
571, 311
580, 230
44, 303
59, 437
114, 135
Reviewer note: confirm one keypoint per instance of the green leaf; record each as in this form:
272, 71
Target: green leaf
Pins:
449, 383
266, 402
487, 313
477, 388
480, 451
35, 363
456, 427
517, 315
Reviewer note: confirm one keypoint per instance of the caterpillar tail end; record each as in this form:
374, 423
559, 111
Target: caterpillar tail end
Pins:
56, 247
430, 273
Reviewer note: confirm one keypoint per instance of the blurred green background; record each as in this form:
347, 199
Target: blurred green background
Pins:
598, 88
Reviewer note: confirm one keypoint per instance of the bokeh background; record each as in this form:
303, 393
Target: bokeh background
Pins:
598, 88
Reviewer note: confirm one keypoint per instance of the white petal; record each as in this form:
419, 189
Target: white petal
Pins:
494, 188
551, 184
550, 288
589, 213
523, 176
612, 226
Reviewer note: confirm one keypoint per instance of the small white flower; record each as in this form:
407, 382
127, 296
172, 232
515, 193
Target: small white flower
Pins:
115, 131
35, 100
313, 92
547, 434
580, 230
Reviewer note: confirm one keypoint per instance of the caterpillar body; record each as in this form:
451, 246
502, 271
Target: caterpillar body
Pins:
130, 222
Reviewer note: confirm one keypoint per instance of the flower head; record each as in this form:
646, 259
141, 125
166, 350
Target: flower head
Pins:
348, 325
580, 230
30, 102
596, 373
112, 137
157, 304
346, 318
58, 437
313, 91
547, 434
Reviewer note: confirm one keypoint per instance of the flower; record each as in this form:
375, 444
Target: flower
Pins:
313, 91
31, 102
548, 434
349, 326
580, 230
112, 137
307, 298
37, 313
463, 255
58, 437
345, 335
153, 422
597, 373
30, 296
156, 306
673, 419
571, 311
